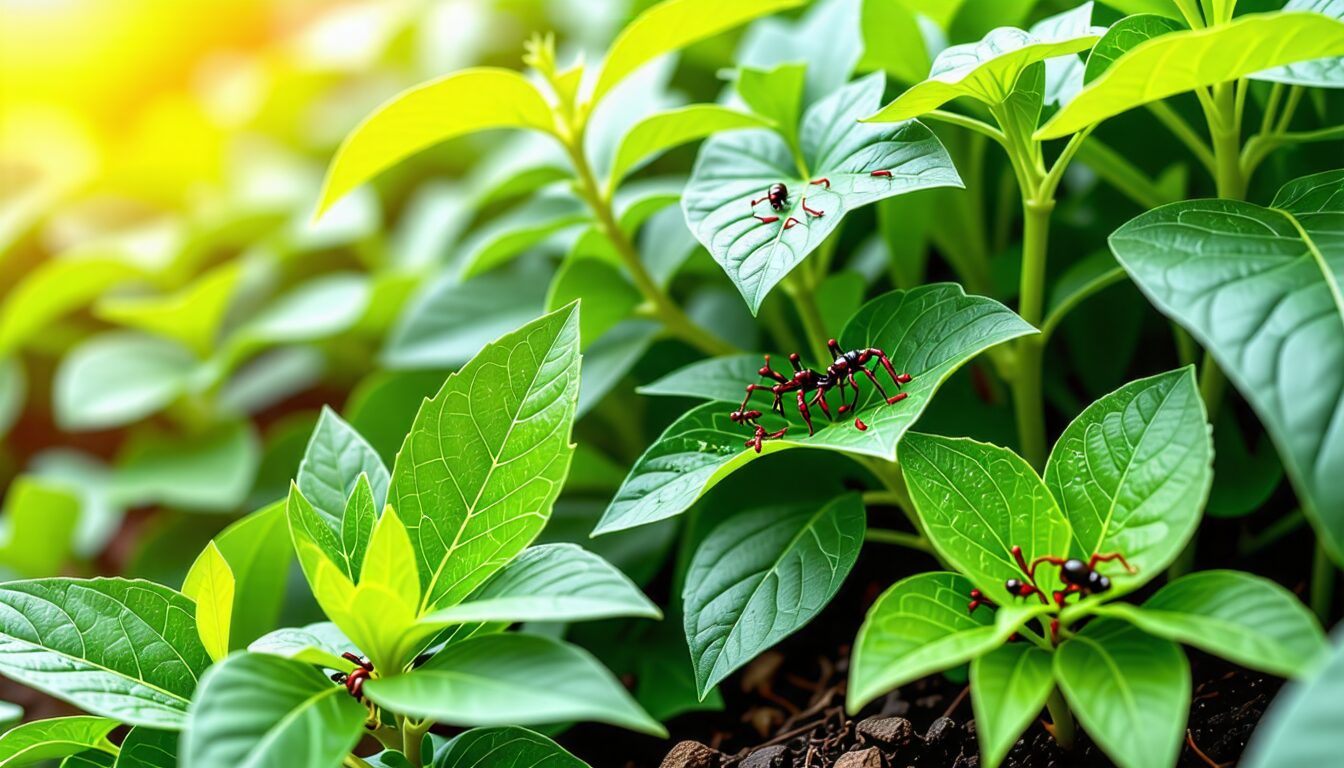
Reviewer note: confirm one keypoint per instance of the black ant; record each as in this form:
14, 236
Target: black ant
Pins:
839, 373
778, 196
354, 681
1080, 578
749, 418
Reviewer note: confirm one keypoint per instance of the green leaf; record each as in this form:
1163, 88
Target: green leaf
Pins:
1009, 685
714, 378
920, 626
321, 644
1318, 73
259, 554
133, 654
1247, 619
552, 582
118, 377
54, 289
209, 472
1208, 56
335, 460
191, 316
266, 712
986, 71
40, 518
1133, 471
471, 504
519, 746
662, 131
927, 332
761, 576
146, 748
774, 41
451, 319
520, 229
978, 501
607, 295
210, 585
1084, 278
322, 307
1130, 691
464, 102
52, 739
670, 26
1123, 36
611, 357
893, 41
1302, 724
734, 169
512, 678
1260, 289
89, 759
311, 532
357, 524
776, 94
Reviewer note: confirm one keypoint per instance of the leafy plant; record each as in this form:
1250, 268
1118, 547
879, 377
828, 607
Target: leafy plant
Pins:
1128, 477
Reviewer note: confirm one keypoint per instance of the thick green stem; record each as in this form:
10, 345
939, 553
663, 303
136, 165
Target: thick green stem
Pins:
1027, 391
1212, 385
1061, 720
1226, 134
1323, 578
809, 313
673, 318
413, 736
899, 538
1182, 130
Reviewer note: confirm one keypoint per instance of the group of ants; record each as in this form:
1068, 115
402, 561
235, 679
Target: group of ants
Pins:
1078, 577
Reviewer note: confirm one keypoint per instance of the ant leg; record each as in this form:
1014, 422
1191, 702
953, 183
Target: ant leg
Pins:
881, 173
766, 370
811, 212
899, 378
827, 182
1099, 558
759, 200
1022, 562
766, 219
820, 399
807, 415
754, 388
790, 222
1051, 559
776, 435
896, 398
833, 347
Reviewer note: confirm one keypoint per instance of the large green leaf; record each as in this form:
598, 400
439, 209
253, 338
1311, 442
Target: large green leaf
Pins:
52, 739
321, 643
210, 584
920, 626
512, 678
734, 169
714, 378
1009, 685
776, 93
927, 332
519, 746
1132, 472
117, 378
986, 70
1302, 725
464, 102
1207, 57
191, 316
267, 712
474, 502
1124, 35
760, 576
259, 555
552, 582
672, 25
1317, 73
123, 649
660, 132
211, 471
147, 748
335, 459
978, 501
524, 227
1130, 690
1260, 289
1241, 617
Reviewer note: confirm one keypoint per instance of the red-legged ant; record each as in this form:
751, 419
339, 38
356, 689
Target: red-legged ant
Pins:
1080, 578
749, 418
839, 373
778, 197
354, 681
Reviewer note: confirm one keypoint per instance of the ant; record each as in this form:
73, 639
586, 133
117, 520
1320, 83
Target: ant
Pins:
839, 373
778, 196
1080, 578
354, 682
749, 418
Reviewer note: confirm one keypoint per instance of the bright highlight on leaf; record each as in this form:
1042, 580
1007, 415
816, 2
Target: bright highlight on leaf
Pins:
210, 584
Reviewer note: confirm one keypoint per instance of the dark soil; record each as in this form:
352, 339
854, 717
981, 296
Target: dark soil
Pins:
786, 708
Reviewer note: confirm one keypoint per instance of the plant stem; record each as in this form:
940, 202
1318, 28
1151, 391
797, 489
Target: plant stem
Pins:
1026, 383
1323, 579
969, 123
1250, 544
1226, 134
351, 761
1212, 385
1062, 720
666, 310
806, 303
1182, 130
899, 538
413, 736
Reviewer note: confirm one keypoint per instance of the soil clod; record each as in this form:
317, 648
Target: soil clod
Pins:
774, 756
890, 732
692, 754
864, 758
